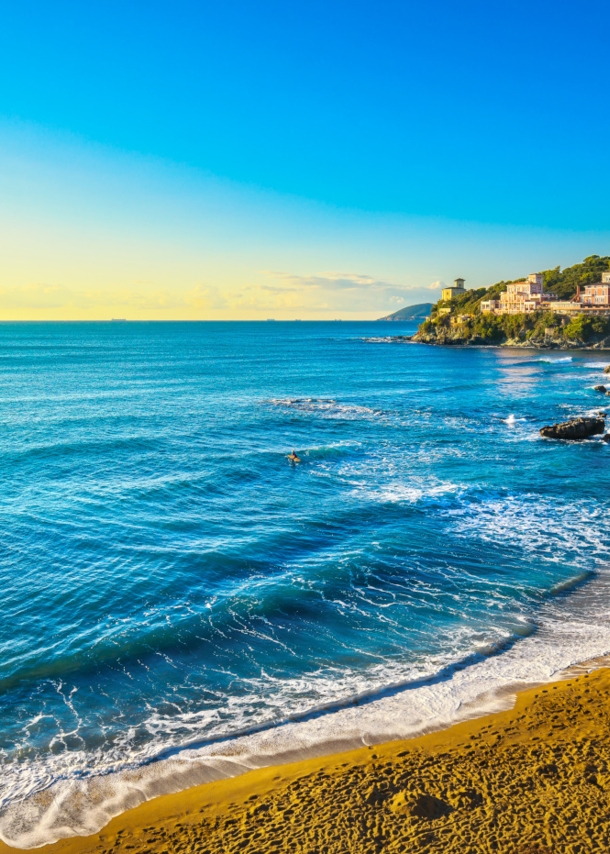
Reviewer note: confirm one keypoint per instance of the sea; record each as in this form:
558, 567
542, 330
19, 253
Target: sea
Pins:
181, 602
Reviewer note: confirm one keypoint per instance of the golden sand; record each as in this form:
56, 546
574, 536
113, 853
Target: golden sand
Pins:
534, 780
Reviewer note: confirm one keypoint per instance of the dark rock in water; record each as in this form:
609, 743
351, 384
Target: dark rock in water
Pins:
601, 388
606, 438
577, 428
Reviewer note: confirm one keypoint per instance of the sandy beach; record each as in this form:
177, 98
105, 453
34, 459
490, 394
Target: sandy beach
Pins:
532, 780
271, 583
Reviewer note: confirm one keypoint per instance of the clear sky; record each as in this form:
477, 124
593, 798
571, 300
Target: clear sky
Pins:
320, 159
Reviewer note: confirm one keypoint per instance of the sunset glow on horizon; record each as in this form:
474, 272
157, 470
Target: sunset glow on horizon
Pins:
248, 179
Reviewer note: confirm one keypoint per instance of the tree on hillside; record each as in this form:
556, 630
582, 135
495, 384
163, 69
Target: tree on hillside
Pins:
487, 327
564, 283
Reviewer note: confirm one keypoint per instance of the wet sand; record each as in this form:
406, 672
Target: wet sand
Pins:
533, 780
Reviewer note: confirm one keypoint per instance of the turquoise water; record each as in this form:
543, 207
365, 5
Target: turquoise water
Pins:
169, 579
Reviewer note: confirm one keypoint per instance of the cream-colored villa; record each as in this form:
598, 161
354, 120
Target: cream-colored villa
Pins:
456, 291
526, 296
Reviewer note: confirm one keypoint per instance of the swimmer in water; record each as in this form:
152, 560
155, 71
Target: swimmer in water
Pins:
293, 457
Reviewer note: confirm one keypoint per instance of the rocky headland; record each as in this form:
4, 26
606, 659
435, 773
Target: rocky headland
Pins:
467, 317
456, 336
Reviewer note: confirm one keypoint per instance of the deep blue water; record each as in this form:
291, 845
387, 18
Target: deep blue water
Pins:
168, 576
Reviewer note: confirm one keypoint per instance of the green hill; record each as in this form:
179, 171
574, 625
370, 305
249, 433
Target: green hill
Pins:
411, 312
564, 282
460, 321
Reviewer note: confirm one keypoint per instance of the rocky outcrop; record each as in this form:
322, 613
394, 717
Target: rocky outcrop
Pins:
577, 428
461, 334
600, 388
604, 344
607, 369
446, 337
457, 336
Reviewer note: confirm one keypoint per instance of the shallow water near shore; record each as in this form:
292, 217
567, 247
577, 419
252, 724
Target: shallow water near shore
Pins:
171, 582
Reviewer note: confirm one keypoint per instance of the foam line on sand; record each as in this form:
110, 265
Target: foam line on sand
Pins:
531, 780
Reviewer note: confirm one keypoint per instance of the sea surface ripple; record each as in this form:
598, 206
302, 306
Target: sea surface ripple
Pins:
170, 581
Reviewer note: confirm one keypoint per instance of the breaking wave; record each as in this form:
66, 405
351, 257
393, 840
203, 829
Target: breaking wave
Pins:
181, 604
325, 407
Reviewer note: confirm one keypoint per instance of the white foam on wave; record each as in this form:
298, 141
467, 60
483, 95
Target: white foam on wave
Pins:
547, 360
600, 365
327, 407
80, 807
536, 524
418, 490
570, 630
388, 339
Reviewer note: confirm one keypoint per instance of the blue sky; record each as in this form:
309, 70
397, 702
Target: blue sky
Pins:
414, 124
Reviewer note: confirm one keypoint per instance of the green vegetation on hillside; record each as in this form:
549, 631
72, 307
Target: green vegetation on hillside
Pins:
564, 283
536, 326
460, 320
410, 312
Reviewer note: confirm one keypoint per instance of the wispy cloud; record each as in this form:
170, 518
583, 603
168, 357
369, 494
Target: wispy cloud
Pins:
270, 293
338, 290
41, 296
206, 297
35, 296
333, 281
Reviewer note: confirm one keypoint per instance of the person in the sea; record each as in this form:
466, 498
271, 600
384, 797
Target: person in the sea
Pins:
293, 457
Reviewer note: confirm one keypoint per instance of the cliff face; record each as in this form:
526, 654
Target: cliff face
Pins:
461, 321
494, 333
446, 336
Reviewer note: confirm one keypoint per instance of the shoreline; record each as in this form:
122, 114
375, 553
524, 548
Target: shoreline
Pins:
347, 725
532, 775
517, 345
557, 644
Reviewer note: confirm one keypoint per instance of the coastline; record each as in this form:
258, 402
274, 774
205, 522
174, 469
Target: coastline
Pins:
472, 343
476, 518
79, 812
531, 778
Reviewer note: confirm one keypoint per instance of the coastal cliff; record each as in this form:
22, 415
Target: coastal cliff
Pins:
541, 330
460, 321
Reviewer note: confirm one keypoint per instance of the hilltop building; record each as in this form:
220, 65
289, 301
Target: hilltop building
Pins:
457, 290
528, 295
597, 294
519, 297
